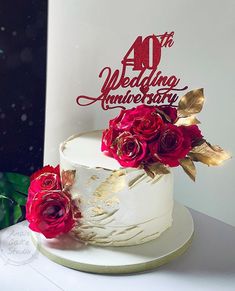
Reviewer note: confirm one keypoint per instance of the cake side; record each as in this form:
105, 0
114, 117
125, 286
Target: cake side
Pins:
119, 207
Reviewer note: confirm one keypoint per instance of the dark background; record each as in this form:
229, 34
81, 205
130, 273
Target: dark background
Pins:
23, 34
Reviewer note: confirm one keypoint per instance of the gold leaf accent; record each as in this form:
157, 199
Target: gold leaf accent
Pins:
189, 167
67, 178
92, 179
155, 169
211, 155
191, 103
156, 179
200, 142
98, 210
113, 184
190, 120
112, 201
136, 180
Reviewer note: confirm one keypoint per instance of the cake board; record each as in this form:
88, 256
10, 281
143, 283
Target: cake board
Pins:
121, 260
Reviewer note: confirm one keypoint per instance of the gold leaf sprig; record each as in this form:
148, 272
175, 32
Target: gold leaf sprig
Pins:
155, 169
191, 103
190, 120
211, 155
189, 167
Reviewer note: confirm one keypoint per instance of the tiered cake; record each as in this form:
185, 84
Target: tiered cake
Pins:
119, 206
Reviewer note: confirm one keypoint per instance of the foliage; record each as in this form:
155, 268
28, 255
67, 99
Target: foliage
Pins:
13, 197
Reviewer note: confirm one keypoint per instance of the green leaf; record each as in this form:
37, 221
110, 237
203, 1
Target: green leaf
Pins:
13, 196
5, 187
5, 197
17, 213
4, 213
19, 182
19, 198
10, 212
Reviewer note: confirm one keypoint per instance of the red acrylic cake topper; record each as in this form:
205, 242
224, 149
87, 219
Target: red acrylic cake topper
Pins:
139, 70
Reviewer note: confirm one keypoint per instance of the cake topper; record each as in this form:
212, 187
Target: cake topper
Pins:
139, 80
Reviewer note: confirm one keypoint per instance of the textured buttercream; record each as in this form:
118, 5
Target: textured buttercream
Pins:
119, 206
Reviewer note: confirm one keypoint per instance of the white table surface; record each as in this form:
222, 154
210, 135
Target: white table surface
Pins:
209, 264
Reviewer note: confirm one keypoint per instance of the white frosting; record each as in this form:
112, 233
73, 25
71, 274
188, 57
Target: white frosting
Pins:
116, 209
86, 150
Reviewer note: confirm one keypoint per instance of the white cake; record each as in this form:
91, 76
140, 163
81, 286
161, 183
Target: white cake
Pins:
119, 206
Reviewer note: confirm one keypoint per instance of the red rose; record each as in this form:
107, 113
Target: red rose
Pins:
125, 119
117, 122
47, 178
46, 181
193, 132
46, 169
50, 213
171, 146
147, 126
169, 113
129, 150
108, 138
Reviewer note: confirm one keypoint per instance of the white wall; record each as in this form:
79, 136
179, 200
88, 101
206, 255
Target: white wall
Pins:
85, 36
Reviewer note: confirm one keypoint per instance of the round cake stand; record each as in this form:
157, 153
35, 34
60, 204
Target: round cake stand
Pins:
122, 260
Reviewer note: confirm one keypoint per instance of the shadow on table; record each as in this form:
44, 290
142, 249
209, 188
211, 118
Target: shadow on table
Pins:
212, 250
65, 242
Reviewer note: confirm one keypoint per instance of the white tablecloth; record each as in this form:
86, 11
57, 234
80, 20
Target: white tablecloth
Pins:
209, 264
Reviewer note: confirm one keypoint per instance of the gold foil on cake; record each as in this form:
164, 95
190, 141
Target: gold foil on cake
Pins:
156, 169
133, 182
111, 236
101, 200
102, 215
100, 233
113, 184
156, 179
92, 179
68, 179
98, 210
112, 201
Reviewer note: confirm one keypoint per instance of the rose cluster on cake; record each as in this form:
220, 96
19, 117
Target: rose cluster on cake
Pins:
49, 208
147, 134
153, 137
